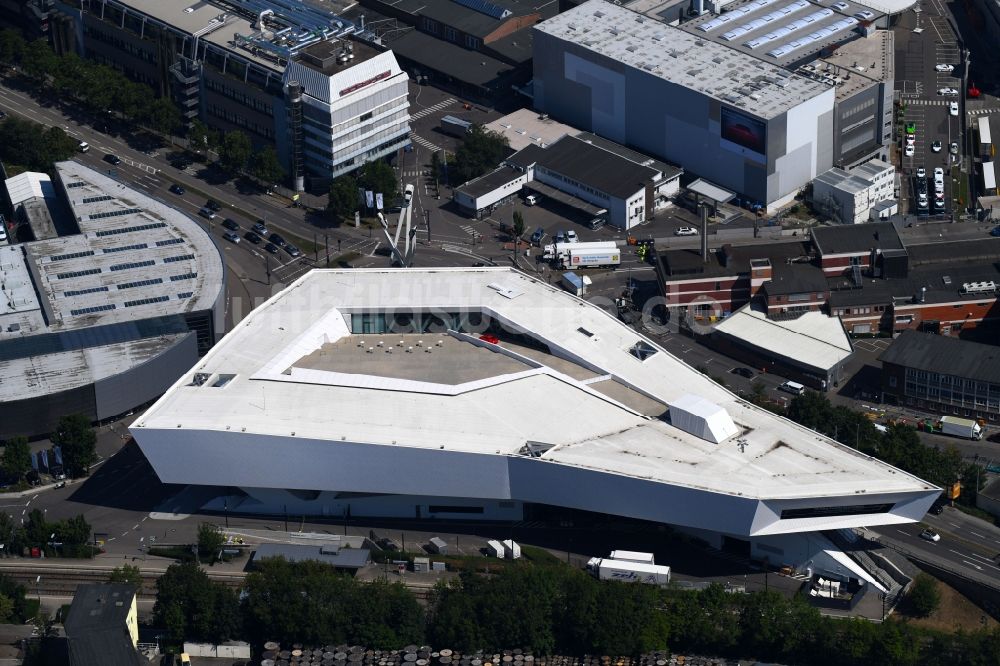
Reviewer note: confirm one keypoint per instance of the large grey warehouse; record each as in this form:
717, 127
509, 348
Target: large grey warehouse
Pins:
740, 99
105, 320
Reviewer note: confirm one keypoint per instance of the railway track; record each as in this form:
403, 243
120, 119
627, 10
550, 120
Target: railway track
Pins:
64, 579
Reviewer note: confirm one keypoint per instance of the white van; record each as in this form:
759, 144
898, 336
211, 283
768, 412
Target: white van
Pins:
793, 387
83, 147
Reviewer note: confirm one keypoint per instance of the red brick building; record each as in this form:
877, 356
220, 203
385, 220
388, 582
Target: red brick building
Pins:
728, 280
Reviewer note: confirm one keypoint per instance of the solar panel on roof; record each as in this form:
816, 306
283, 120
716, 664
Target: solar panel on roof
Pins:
485, 7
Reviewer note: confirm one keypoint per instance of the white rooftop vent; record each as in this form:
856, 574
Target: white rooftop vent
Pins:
506, 292
702, 418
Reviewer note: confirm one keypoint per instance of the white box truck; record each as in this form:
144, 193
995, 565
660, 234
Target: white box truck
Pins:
632, 556
438, 545
558, 251
956, 427
591, 258
494, 548
512, 550
629, 572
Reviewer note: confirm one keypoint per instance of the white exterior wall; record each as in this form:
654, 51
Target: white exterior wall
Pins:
622, 213
342, 141
232, 458
489, 198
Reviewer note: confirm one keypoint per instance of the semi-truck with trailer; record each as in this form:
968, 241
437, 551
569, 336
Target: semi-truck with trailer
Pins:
572, 256
455, 126
956, 427
605, 568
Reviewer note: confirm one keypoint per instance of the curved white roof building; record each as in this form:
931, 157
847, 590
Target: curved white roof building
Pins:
102, 321
372, 392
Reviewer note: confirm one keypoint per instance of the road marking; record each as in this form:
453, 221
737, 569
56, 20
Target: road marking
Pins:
124, 534
902, 532
955, 524
973, 565
136, 526
431, 109
372, 253
977, 534
424, 142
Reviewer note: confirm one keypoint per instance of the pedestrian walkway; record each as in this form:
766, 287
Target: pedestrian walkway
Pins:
424, 142
931, 102
431, 109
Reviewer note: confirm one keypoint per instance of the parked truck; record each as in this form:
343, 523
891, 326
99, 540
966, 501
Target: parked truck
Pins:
956, 427
628, 572
571, 256
455, 126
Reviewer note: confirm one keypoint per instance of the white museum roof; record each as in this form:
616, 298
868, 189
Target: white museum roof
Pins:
575, 387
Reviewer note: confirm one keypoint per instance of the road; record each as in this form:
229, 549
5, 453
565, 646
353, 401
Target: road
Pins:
968, 545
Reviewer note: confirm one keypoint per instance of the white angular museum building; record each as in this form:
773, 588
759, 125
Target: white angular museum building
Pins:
472, 393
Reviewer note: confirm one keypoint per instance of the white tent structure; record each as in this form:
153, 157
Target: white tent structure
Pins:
702, 418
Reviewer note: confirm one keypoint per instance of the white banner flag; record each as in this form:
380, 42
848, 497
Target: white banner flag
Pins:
378, 201
368, 198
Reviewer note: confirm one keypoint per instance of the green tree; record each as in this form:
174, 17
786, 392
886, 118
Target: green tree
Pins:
924, 596
192, 607
210, 540
481, 151
75, 531
378, 176
38, 60
127, 574
312, 603
265, 167
162, 116
201, 137
78, 442
235, 151
343, 201
16, 460
12, 47
518, 225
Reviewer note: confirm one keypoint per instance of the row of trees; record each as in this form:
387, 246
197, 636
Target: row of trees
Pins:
97, 88
236, 153
33, 146
66, 538
73, 435
900, 446
548, 609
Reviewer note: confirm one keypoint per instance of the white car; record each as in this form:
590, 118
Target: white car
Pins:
947, 92
910, 139
953, 148
939, 174
865, 15
944, 68
936, 147
930, 535
909, 150
408, 194
840, 6
921, 172
953, 108
686, 231
571, 237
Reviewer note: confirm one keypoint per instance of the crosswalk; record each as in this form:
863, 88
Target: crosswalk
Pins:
930, 102
415, 173
982, 112
431, 109
467, 229
420, 141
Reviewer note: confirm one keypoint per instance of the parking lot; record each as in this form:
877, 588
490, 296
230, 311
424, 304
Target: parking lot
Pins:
928, 78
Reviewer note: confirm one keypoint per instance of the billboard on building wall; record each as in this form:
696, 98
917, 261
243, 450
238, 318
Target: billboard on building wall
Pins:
744, 131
